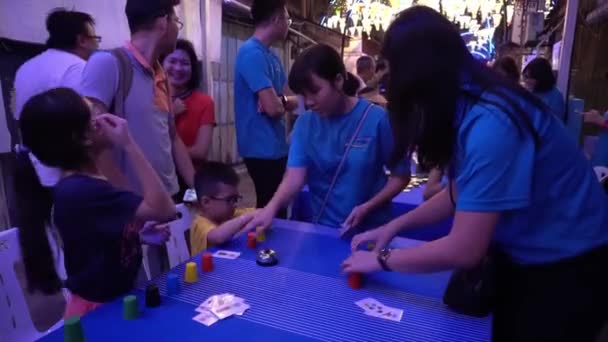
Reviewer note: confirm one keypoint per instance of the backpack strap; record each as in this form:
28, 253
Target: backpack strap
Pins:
125, 80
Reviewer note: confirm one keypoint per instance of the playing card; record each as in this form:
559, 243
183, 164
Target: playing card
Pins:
386, 312
226, 254
368, 304
206, 318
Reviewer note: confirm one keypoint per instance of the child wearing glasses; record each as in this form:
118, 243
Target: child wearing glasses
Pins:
218, 220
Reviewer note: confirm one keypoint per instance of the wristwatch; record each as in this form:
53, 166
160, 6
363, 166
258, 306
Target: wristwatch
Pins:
383, 256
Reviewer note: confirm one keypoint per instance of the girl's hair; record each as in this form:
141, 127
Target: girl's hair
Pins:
508, 67
539, 69
424, 88
54, 126
195, 77
325, 62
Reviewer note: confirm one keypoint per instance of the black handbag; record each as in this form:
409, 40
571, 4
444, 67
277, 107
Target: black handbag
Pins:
471, 292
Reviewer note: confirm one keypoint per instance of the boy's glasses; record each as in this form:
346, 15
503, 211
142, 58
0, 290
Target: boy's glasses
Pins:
233, 200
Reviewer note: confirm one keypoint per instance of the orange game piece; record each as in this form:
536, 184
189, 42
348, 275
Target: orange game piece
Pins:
207, 262
355, 280
251, 240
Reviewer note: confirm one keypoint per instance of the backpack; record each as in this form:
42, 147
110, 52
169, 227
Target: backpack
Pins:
125, 80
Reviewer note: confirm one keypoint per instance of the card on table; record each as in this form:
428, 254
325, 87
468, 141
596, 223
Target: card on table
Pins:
205, 317
374, 308
226, 254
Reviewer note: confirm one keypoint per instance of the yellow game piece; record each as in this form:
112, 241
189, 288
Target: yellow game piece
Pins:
191, 273
261, 236
371, 246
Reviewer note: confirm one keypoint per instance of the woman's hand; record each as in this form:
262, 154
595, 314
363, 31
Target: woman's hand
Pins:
261, 220
357, 215
361, 262
154, 234
178, 106
380, 237
594, 117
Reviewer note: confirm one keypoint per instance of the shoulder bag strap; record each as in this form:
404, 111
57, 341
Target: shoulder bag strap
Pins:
341, 165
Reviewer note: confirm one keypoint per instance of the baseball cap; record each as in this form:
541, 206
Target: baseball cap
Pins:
138, 11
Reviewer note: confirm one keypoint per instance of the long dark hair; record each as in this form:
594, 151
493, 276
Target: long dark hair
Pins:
429, 64
539, 69
325, 62
54, 126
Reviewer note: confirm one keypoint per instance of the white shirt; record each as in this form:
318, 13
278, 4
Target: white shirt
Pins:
50, 69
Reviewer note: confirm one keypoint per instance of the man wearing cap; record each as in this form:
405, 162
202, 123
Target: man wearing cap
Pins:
147, 106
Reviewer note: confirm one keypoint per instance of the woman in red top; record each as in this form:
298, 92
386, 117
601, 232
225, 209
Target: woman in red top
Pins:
194, 110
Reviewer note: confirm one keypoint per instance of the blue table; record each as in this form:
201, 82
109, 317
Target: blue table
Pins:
404, 202
304, 298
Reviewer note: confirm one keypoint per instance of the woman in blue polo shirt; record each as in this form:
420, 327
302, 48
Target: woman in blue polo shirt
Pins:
517, 181
339, 148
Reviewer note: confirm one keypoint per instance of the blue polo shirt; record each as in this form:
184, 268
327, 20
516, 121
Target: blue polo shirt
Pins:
318, 144
551, 204
258, 135
600, 156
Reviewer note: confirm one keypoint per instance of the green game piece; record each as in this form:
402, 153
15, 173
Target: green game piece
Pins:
130, 308
72, 330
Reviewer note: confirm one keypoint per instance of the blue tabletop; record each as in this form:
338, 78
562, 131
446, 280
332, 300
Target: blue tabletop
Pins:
304, 298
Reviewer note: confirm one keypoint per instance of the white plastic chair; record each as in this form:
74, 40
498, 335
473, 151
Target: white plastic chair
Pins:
177, 247
15, 319
601, 172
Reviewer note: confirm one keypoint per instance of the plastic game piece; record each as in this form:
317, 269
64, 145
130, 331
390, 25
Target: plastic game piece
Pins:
173, 285
207, 262
267, 257
72, 329
152, 296
191, 273
355, 280
251, 240
371, 246
261, 236
130, 310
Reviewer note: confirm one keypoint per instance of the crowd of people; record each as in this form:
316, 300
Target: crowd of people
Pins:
503, 164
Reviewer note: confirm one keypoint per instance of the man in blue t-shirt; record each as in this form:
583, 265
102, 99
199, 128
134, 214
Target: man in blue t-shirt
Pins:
259, 99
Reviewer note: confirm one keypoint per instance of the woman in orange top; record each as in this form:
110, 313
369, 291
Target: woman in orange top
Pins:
194, 110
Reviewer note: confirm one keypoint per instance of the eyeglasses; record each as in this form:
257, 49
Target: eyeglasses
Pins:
97, 38
232, 200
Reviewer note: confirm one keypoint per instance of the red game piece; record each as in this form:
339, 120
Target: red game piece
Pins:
251, 240
207, 262
355, 280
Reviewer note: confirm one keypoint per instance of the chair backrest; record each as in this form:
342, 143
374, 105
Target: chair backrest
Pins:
15, 320
601, 172
177, 246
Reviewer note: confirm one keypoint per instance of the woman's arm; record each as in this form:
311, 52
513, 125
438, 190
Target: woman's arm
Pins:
464, 247
433, 186
200, 149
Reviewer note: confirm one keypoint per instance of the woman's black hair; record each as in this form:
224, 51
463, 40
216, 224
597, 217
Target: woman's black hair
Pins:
540, 70
323, 61
54, 126
195, 78
508, 67
424, 88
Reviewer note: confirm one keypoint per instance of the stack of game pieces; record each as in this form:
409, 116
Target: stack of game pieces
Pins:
218, 307
152, 296
355, 280
72, 329
372, 307
130, 309
251, 240
207, 262
173, 285
191, 275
